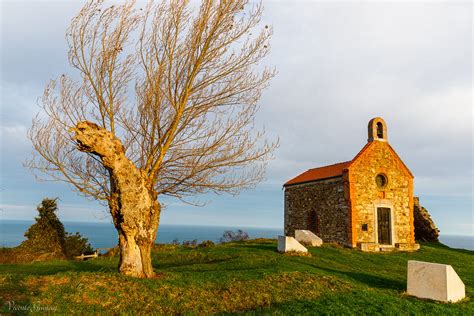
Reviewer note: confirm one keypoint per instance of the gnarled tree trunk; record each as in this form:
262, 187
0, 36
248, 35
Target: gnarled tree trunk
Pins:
133, 202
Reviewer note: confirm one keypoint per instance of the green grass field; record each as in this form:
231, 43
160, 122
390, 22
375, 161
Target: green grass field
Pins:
235, 277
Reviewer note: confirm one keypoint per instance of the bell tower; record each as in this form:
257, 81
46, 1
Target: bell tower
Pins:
377, 130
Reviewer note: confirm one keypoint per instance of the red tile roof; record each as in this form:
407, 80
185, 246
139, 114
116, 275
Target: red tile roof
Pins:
320, 173
336, 170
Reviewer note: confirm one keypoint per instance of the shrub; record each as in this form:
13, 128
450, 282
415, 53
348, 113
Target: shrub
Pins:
175, 241
190, 243
47, 238
229, 236
10, 255
206, 244
47, 235
75, 245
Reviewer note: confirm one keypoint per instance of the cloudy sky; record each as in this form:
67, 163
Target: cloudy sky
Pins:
339, 64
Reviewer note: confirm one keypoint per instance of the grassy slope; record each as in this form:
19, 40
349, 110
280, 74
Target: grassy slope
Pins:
249, 276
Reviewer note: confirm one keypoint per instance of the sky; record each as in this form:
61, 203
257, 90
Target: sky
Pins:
339, 65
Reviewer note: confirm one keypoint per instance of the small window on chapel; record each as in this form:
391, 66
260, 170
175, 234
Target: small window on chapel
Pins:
380, 130
381, 180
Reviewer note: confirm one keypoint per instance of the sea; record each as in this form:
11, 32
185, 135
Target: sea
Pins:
103, 235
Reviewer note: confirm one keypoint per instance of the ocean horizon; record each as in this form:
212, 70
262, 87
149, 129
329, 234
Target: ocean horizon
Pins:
104, 235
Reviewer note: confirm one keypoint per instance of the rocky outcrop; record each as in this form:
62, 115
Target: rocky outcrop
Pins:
425, 228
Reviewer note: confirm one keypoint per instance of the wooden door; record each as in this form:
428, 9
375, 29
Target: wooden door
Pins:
384, 226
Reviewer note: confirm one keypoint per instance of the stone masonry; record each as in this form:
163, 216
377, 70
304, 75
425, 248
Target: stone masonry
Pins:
397, 194
320, 208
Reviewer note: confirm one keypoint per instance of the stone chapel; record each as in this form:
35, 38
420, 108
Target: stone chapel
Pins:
366, 202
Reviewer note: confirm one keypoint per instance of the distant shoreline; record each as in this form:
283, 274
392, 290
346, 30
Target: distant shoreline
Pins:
11, 233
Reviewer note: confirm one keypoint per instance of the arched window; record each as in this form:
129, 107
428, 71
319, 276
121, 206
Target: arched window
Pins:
380, 130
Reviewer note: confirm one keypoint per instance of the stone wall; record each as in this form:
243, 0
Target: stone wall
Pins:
366, 196
425, 228
319, 207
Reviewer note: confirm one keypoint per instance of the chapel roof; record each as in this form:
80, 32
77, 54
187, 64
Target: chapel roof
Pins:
320, 173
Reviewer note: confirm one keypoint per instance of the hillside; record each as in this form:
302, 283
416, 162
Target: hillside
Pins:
236, 277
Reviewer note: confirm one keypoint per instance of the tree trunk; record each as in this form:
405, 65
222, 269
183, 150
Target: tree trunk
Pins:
133, 202
135, 255
136, 238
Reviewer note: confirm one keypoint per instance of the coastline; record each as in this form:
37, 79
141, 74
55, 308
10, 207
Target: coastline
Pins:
103, 235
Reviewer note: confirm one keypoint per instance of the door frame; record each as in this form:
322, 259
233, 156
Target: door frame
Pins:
392, 222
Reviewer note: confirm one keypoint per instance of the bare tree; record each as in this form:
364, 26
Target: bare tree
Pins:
165, 105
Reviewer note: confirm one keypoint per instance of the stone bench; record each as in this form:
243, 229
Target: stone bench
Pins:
434, 281
286, 244
308, 237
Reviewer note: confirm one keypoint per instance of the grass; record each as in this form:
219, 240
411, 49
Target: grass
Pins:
235, 277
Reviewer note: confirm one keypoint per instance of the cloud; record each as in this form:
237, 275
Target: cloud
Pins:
33, 42
66, 212
339, 63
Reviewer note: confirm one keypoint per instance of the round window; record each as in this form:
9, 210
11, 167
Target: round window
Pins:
381, 180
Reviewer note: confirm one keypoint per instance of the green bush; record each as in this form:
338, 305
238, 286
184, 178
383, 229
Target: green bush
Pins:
206, 244
230, 236
47, 238
47, 235
175, 241
190, 243
75, 245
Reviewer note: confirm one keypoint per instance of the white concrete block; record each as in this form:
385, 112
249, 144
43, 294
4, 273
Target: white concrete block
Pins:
307, 237
434, 281
286, 243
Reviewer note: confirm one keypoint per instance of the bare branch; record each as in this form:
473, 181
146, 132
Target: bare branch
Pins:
179, 87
